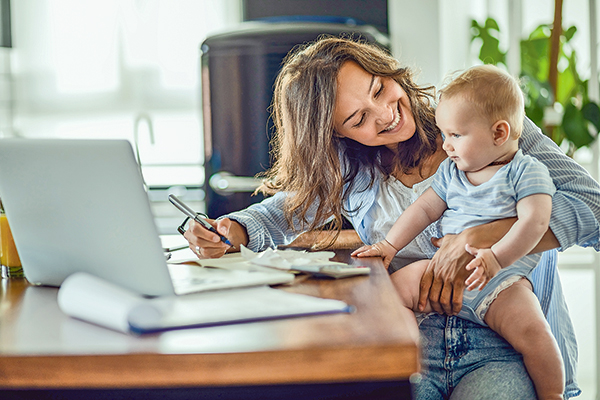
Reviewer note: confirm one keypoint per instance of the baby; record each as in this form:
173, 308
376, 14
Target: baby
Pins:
486, 177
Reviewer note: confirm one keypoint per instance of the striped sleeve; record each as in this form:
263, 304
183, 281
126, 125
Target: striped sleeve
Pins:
265, 223
548, 289
575, 216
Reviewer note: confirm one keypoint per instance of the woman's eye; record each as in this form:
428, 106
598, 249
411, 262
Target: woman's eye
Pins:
379, 90
359, 123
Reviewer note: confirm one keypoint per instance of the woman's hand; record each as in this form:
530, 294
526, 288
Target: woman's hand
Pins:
444, 279
207, 244
443, 282
382, 249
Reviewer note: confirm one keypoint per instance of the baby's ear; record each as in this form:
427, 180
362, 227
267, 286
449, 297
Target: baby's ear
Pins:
501, 132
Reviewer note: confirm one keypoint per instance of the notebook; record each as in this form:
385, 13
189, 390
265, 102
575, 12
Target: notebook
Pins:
80, 206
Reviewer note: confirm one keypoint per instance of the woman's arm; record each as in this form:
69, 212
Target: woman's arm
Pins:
257, 227
575, 218
443, 283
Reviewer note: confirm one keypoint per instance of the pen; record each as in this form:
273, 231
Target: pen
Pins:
170, 249
196, 217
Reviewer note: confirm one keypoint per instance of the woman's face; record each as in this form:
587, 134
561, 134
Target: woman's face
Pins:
371, 110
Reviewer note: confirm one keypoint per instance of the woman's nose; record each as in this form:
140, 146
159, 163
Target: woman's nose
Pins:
385, 115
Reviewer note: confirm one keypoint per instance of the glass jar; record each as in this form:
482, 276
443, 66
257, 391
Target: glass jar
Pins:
9, 258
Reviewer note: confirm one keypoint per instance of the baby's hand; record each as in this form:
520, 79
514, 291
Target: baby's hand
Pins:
485, 266
381, 249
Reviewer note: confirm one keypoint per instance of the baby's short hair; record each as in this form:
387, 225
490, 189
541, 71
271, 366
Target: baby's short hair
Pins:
494, 93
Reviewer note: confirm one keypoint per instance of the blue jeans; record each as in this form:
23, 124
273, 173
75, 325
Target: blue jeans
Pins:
455, 349
465, 360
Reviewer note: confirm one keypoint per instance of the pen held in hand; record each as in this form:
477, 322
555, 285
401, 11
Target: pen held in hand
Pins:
196, 217
208, 226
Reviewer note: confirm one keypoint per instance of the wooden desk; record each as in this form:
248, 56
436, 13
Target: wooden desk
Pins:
41, 348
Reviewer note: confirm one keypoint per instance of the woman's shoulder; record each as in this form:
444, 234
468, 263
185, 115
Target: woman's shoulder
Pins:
534, 142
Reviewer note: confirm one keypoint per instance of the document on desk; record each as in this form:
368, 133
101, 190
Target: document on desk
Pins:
95, 300
317, 264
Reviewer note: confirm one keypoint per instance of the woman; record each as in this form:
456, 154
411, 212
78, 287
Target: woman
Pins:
356, 137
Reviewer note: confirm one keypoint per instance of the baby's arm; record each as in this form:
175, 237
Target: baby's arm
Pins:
428, 208
533, 214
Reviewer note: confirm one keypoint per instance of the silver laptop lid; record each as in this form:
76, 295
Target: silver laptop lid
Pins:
79, 205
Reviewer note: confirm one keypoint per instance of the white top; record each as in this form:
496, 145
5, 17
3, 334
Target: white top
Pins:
392, 198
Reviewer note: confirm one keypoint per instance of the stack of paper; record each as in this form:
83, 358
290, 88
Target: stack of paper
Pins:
95, 300
316, 263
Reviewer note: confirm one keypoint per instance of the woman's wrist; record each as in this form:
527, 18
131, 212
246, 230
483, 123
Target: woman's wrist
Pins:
486, 235
238, 235
391, 245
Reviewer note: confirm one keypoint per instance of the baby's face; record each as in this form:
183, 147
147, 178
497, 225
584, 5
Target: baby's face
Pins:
469, 137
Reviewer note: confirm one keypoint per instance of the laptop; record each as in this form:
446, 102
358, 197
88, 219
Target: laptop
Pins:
77, 205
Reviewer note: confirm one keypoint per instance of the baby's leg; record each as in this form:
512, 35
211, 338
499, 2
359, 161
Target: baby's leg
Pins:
407, 281
516, 315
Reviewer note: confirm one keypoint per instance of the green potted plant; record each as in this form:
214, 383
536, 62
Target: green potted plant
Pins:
563, 110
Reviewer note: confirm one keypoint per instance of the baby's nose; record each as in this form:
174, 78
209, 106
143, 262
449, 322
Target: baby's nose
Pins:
446, 145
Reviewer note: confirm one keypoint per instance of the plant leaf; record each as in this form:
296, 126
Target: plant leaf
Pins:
591, 112
488, 33
491, 23
569, 33
575, 126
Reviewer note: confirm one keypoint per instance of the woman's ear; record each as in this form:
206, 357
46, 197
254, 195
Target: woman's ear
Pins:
501, 132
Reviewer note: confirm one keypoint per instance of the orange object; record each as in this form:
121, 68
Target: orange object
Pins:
8, 252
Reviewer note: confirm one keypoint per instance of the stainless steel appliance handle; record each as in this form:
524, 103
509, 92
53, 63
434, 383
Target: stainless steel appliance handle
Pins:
225, 183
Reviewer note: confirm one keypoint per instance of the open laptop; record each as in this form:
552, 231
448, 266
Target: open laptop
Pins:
80, 206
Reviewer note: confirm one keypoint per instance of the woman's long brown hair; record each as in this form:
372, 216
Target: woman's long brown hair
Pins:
307, 153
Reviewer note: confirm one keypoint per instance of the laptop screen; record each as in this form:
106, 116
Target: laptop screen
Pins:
80, 205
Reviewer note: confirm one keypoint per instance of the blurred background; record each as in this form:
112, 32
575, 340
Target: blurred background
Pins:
147, 71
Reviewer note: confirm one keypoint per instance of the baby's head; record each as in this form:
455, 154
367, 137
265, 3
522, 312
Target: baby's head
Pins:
481, 115
493, 94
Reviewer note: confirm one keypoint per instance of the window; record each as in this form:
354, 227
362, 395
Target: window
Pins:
106, 68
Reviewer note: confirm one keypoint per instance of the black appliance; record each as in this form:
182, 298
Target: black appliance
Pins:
238, 70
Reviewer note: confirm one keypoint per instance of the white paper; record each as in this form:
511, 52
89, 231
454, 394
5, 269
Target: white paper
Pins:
95, 300
92, 299
247, 259
288, 259
193, 278
226, 306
